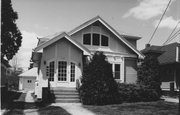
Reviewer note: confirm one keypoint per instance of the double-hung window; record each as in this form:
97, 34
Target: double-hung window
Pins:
116, 69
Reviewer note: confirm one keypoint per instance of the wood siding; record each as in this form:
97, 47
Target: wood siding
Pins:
130, 70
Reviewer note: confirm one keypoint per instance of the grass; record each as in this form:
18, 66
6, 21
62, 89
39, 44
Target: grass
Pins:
140, 108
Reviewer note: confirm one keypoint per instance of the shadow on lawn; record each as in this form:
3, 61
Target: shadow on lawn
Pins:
138, 108
12, 103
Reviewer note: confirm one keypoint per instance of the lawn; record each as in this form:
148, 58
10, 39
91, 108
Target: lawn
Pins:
140, 108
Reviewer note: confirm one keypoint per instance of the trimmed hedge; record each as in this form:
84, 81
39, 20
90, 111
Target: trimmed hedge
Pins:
136, 93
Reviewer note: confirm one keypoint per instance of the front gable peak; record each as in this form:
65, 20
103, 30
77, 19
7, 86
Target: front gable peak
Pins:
98, 19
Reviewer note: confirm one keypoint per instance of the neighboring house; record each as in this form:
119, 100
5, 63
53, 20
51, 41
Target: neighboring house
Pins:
60, 58
27, 79
169, 61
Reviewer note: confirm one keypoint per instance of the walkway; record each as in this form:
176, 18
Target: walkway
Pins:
169, 99
74, 108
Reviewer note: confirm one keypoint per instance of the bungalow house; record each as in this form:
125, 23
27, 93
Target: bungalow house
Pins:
169, 61
60, 58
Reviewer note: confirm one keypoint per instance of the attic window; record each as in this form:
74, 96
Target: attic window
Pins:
104, 40
96, 39
87, 39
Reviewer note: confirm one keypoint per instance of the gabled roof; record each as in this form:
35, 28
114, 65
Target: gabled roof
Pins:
98, 18
58, 37
169, 55
30, 73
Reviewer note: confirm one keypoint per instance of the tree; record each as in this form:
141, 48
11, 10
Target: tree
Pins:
98, 85
10, 34
148, 73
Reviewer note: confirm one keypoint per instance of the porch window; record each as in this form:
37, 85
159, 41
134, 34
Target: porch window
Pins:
96, 39
104, 40
72, 72
51, 71
87, 39
62, 71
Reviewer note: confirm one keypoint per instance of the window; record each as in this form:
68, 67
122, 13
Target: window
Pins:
62, 70
72, 72
29, 81
104, 40
47, 70
87, 39
96, 39
51, 71
117, 71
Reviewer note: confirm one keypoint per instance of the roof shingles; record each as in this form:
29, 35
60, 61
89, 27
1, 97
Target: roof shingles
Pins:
169, 52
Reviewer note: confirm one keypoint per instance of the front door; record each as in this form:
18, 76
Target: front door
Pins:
66, 74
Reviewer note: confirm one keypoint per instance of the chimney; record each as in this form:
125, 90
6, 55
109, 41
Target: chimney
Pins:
147, 45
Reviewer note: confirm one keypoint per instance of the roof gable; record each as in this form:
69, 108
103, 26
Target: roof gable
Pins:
30, 73
58, 37
121, 37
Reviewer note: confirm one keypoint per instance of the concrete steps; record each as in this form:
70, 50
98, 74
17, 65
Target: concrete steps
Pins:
65, 95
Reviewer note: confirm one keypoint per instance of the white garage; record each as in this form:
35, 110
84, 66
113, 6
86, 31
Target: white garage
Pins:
27, 79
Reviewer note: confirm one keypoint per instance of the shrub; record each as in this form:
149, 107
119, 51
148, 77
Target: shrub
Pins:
136, 93
148, 73
98, 85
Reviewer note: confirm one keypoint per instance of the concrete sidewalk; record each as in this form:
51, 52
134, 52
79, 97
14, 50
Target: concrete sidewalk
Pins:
74, 108
29, 98
26, 96
169, 99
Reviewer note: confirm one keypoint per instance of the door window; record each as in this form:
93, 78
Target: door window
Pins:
62, 71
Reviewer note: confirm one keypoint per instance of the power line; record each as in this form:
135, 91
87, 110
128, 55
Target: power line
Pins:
174, 36
170, 36
159, 21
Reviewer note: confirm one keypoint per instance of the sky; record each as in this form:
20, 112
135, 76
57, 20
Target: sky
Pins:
39, 18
